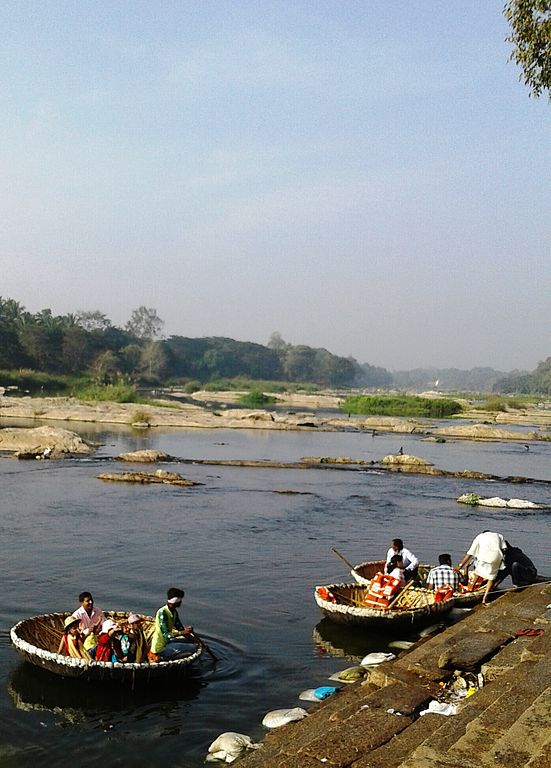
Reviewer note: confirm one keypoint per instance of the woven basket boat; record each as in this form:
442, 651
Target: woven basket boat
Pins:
37, 640
364, 572
417, 606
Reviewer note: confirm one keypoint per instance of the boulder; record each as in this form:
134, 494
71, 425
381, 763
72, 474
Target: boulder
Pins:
149, 456
405, 459
160, 476
43, 442
484, 432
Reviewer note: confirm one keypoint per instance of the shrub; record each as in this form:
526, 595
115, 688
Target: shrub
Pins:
255, 399
401, 405
114, 393
140, 417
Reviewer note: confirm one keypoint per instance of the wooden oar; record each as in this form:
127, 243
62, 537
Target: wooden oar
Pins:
410, 584
345, 561
203, 645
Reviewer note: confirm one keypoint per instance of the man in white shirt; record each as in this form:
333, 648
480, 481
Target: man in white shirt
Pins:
411, 562
488, 550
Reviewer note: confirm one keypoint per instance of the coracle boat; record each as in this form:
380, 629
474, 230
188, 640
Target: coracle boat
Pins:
37, 640
364, 572
348, 604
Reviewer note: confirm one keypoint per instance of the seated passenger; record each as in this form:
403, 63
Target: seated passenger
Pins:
396, 569
411, 562
109, 647
90, 617
71, 643
443, 574
168, 629
137, 650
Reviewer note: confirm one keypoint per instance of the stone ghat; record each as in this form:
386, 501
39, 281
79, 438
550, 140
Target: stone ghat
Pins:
505, 723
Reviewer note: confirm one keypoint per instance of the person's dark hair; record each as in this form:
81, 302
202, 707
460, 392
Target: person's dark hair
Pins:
398, 543
174, 592
83, 596
444, 559
394, 560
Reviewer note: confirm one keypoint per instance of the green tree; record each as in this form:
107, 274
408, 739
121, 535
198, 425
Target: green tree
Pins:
152, 361
145, 323
530, 22
93, 320
105, 367
76, 350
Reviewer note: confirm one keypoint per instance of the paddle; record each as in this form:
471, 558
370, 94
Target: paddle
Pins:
345, 561
203, 645
410, 584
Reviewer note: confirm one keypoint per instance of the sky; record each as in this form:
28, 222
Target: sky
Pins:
366, 176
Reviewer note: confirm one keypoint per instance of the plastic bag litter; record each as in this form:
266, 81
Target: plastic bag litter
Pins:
318, 694
229, 746
376, 658
308, 695
440, 708
402, 645
278, 717
349, 675
324, 691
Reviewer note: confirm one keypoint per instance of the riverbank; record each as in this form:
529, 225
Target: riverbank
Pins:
295, 412
377, 723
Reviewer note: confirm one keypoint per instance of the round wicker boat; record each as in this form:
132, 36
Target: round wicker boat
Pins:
348, 607
37, 640
364, 572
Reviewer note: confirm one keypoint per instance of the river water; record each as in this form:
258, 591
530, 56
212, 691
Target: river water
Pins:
248, 558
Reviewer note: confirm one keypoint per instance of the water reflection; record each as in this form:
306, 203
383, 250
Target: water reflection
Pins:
74, 701
353, 643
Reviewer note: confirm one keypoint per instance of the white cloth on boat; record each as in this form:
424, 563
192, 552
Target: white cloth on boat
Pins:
488, 548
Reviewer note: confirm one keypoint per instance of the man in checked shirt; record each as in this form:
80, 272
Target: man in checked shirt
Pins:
443, 575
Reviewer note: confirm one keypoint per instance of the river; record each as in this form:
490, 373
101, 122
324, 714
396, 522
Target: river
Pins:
248, 558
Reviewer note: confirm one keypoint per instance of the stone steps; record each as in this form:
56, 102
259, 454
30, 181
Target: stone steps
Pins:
375, 724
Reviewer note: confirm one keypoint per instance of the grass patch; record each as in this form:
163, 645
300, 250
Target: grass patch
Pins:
500, 404
239, 384
401, 405
256, 399
113, 393
35, 383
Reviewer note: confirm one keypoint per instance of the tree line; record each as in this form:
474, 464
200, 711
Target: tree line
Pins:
88, 345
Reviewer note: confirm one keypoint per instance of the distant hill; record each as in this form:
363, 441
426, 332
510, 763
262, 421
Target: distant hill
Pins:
538, 382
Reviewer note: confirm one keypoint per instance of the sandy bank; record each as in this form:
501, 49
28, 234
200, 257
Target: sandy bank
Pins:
215, 411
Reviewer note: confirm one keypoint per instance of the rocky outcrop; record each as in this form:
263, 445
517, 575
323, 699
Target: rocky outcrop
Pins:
160, 476
486, 432
404, 459
474, 500
43, 442
149, 456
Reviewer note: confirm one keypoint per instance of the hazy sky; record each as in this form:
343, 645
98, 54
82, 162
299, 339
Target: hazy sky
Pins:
368, 176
